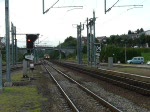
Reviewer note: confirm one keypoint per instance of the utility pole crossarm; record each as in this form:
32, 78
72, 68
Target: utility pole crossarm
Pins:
110, 7
50, 7
75, 7
107, 10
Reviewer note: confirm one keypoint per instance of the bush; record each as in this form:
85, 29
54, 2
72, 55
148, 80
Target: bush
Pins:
118, 53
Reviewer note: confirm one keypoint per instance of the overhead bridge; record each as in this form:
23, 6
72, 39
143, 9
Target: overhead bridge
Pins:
66, 51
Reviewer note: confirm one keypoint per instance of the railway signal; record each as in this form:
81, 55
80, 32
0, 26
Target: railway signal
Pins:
30, 39
98, 47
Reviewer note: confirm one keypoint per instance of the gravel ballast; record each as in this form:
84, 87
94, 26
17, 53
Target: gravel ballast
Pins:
127, 101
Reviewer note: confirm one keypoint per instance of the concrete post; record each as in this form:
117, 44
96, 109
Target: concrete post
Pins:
110, 62
8, 77
25, 63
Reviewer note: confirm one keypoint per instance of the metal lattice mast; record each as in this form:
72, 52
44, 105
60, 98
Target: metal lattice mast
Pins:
12, 34
90, 38
94, 19
16, 57
79, 44
80, 40
16, 51
91, 48
88, 43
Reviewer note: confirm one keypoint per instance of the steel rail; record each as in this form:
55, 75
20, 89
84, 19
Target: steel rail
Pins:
114, 80
96, 97
71, 104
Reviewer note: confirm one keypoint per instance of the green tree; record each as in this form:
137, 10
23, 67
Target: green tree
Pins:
141, 30
84, 50
129, 32
148, 40
137, 31
3, 51
69, 42
142, 39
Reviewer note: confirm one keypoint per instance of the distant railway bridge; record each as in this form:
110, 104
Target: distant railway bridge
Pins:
48, 50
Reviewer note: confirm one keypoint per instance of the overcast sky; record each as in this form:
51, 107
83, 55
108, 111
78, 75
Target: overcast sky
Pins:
57, 24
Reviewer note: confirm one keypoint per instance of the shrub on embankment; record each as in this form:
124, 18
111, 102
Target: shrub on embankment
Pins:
118, 53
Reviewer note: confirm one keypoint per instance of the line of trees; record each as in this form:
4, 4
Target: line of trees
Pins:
120, 40
136, 32
114, 46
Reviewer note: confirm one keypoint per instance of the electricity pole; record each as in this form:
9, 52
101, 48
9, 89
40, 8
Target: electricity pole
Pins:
15, 50
88, 42
91, 49
79, 43
8, 77
12, 34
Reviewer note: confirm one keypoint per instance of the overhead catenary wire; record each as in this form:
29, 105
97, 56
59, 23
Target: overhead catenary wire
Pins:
129, 6
75, 7
68, 6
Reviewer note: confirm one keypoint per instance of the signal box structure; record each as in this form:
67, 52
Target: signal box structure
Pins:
30, 39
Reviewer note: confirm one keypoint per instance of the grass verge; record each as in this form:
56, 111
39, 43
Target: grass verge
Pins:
21, 98
142, 72
16, 99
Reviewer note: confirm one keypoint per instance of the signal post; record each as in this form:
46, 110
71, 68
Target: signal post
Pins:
29, 56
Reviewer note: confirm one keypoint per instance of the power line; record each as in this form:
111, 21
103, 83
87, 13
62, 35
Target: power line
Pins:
68, 7
111, 19
129, 6
133, 6
73, 9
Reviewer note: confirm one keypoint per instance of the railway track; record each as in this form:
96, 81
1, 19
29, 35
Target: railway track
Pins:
141, 87
18, 66
12, 68
75, 92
